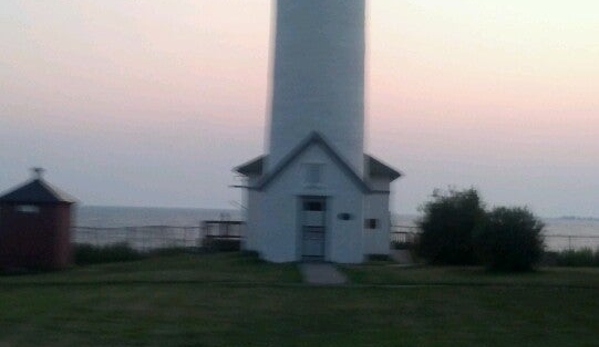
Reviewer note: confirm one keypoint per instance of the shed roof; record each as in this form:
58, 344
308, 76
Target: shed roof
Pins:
37, 191
378, 168
252, 167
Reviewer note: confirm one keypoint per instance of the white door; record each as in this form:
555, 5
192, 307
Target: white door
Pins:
313, 225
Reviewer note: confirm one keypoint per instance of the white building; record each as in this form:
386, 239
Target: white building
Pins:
316, 195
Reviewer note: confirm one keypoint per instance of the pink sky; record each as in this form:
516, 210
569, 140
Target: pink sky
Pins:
150, 103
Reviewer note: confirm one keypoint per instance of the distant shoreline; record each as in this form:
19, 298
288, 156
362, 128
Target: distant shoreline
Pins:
591, 219
158, 207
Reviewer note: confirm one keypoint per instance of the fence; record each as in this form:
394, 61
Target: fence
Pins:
571, 242
147, 238
404, 234
144, 238
229, 230
156, 237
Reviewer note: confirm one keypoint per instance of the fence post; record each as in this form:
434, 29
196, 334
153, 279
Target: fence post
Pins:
201, 235
570, 243
144, 241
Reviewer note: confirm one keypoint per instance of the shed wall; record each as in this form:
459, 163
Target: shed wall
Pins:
35, 240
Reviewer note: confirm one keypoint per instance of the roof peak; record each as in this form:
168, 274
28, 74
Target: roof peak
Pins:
37, 191
314, 138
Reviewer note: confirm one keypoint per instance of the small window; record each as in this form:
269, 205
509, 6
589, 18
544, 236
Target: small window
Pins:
27, 209
344, 216
314, 206
313, 174
371, 223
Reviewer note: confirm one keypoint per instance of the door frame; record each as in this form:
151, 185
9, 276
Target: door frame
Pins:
300, 229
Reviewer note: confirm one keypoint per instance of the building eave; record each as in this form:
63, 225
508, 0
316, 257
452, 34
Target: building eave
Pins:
374, 167
377, 168
252, 167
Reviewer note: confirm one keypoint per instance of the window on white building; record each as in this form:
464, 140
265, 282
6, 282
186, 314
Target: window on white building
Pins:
27, 209
371, 223
313, 174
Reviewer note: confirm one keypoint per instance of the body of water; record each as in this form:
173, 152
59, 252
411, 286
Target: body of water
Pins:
118, 217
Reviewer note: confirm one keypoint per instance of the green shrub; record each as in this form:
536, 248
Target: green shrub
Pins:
510, 239
88, 254
448, 225
579, 258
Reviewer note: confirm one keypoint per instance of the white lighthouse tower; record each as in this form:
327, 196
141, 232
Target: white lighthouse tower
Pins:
318, 83
315, 195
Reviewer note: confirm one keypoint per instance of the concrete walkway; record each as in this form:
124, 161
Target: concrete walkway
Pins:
403, 257
321, 274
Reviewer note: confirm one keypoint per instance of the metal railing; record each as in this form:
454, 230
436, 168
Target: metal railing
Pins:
556, 242
220, 229
405, 234
143, 238
146, 238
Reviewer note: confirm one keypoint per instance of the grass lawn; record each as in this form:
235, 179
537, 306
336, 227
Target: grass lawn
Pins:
551, 276
224, 267
228, 300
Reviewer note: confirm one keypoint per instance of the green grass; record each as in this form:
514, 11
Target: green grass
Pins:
232, 300
222, 267
585, 257
88, 254
476, 276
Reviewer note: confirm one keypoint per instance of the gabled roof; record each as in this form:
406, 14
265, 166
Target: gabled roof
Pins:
37, 191
374, 167
313, 139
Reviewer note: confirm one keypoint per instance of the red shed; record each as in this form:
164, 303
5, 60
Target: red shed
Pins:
35, 222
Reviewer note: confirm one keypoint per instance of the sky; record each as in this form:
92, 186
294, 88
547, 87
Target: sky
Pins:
152, 103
